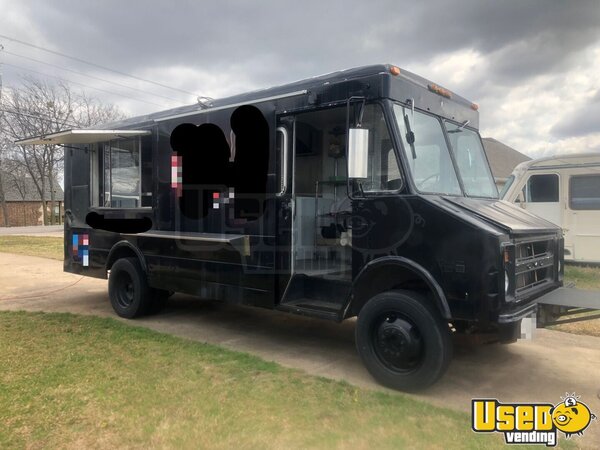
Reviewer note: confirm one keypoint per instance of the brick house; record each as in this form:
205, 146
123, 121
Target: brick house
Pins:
24, 205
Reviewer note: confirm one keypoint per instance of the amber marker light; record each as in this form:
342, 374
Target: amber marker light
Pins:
395, 70
439, 90
474, 106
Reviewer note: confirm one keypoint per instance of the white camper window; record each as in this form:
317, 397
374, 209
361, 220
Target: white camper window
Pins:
121, 174
542, 188
584, 192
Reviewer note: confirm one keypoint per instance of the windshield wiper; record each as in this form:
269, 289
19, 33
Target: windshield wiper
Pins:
410, 136
461, 127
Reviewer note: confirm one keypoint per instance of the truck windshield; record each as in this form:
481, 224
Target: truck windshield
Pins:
426, 152
472, 164
429, 158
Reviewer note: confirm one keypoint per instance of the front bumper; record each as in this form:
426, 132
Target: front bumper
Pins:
514, 316
517, 312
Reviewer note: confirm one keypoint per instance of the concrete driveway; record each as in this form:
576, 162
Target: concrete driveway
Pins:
539, 370
48, 230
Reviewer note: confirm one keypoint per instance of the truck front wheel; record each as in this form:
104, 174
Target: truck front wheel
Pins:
404, 342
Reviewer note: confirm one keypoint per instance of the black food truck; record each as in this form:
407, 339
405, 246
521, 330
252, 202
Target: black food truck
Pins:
362, 193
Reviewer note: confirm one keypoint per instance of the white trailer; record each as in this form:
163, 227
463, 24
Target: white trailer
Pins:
566, 191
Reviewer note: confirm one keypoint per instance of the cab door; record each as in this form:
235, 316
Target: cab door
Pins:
315, 263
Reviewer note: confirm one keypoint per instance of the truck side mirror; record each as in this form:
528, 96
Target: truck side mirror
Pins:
358, 152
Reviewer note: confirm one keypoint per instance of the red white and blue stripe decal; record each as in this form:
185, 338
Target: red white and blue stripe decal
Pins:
81, 248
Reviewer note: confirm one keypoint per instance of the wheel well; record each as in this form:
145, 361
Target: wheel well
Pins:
122, 251
391, 277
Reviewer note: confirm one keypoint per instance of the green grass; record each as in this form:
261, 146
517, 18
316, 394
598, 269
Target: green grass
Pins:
69, 381
584, 277
46, 247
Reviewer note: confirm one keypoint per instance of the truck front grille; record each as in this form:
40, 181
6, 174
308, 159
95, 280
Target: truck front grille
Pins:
534, 265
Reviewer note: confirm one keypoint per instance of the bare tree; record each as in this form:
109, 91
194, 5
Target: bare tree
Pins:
38, 108
3, 153
3, 173
90, 111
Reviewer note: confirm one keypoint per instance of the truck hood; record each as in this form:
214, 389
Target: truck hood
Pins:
502, 214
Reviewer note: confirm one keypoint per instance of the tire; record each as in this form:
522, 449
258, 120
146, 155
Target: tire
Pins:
403, 341
128, 289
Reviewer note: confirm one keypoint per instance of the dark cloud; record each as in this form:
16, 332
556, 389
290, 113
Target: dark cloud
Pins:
522, 39
245, 45
583, 122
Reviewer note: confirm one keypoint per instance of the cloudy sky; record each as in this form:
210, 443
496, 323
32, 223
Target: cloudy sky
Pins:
532, 66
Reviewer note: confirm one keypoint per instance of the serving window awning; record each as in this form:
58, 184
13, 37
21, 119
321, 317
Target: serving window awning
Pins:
81, 137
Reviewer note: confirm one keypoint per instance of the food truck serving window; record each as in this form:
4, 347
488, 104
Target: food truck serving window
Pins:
119, 175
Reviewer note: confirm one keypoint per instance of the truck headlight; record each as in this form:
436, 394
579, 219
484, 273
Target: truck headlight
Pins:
506, 282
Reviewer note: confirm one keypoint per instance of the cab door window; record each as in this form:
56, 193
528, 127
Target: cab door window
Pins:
542, 188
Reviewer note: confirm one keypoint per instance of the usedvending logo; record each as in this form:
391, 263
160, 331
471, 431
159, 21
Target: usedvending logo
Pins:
531, 423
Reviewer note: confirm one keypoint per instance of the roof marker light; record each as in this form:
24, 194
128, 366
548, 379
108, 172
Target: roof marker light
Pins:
474, 106
439, 90
395, 70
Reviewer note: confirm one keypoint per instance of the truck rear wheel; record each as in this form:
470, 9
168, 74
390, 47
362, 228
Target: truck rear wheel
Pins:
130, 295
403, 342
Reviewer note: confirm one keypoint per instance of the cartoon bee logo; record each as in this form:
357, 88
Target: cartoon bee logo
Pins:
572, 416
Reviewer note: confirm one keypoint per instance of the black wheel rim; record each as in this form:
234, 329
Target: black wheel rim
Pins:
124, 289
397, 342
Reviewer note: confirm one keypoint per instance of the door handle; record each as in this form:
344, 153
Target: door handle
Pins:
286, 208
